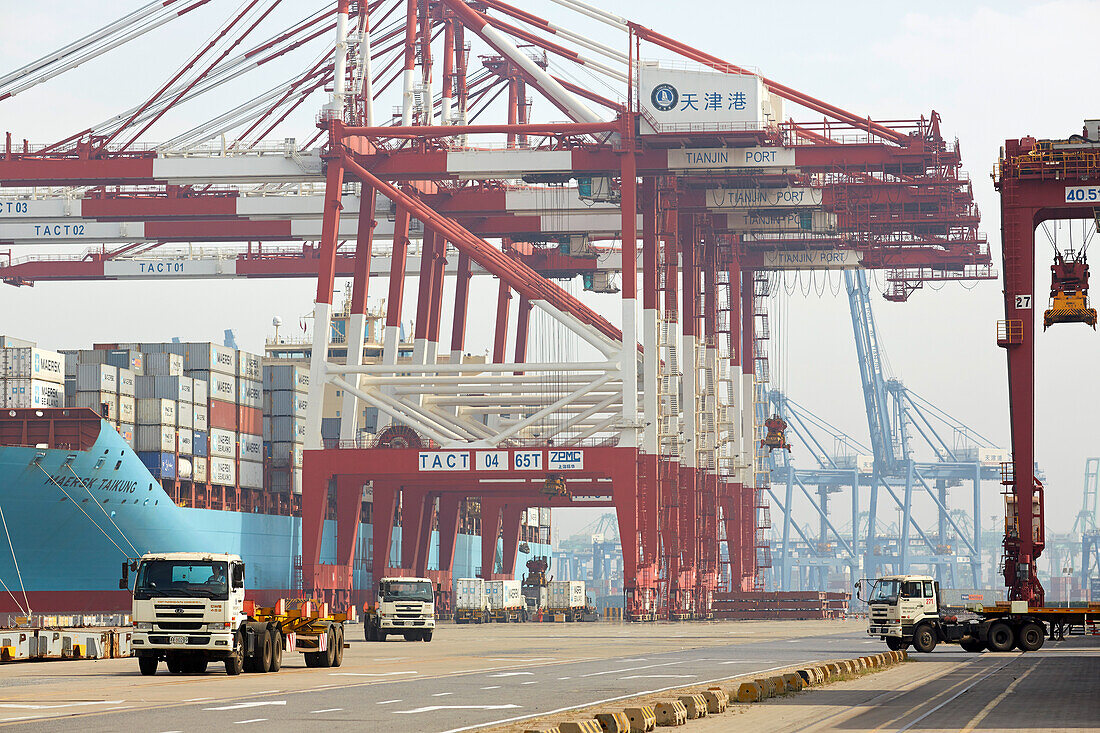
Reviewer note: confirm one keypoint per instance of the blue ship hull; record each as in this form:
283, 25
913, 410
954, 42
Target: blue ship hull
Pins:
73, 517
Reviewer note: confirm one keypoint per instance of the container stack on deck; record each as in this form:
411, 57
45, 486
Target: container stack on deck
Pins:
29, 376
284, 435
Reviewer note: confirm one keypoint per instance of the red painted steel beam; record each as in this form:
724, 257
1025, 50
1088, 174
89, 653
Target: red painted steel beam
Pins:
418, 132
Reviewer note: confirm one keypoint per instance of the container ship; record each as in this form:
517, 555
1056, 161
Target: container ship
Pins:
126, 448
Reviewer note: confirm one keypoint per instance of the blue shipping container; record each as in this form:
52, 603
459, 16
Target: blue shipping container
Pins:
161, 465
199, 443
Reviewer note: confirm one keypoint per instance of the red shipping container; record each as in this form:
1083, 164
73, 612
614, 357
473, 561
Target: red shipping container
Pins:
250, 420
222, 415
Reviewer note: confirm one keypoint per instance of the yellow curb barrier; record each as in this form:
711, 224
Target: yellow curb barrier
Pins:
749, 692
550, 729
793, 681
780, 684
613, 722
717, 700
766, 685
642, 719
695, 705
669, 713
579, 726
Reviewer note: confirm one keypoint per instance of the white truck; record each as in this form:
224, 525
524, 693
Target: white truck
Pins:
189, 609
403, 606
506, 602
906, 609
471, 601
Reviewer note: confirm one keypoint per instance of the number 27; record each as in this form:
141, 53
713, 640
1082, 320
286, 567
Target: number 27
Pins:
1023, 302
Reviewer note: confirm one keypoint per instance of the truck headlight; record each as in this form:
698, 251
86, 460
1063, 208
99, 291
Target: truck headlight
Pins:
143, 626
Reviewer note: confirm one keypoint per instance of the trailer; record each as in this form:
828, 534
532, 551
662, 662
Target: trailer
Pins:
471, 602
506, 602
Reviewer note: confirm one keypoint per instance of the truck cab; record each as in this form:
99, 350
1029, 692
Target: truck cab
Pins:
898, 603
403, 606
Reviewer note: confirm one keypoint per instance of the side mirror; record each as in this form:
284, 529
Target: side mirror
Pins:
238, 575
124, 581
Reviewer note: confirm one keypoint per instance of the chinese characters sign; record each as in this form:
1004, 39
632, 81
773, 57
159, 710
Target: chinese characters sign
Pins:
677, 99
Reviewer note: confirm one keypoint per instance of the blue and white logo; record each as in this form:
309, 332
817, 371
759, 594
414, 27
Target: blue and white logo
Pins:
664, 97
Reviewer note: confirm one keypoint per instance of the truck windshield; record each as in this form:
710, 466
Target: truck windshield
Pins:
885, 591
191, 578
407, 591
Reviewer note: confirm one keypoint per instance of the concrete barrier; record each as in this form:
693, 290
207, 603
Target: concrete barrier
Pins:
579, 726
808, 675
750, 692
549, 729
642, 719
766, 685
695, 705
613, 722
717, 700
779, 683
669, 713
793, 681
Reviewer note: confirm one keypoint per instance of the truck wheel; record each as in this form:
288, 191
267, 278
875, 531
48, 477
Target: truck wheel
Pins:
234, 663
313, 659
175, 664
264, 651
924, 639
368, 630
1030, 637
426, 636
329, 655
1000, 638
411, 635
895, 643
147, 663
277, 643
338, 657
972, 645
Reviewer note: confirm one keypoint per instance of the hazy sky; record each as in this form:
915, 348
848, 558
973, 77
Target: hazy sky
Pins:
992, 71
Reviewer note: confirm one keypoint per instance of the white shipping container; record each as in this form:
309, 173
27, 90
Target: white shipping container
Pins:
185, 415
32, 363
28, 393
163, 364
566, 594
504, 594
286, 454
219, 386
250, 448
127, 382
250, 393
127, 409
198, 464
206, 357
200, 417
156, 412
104, 403
223, 444
470, 594
201, 391
286, 377
178, 389
285, 403
222, 471
288, 430
186, 441
10, 342
97, 378
155, 438
249, 366
250, 474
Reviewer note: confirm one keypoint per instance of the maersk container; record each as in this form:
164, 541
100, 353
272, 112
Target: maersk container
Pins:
199, 419
32, 363
158, 438
186, 442
185, 415
222, 444
127, 382
249, 366
206, 357
201, 390
10, 342
470, 594
127, 359
156, 412
27, 393
200, 441
565, 595
286, 454
177, 389
250, 393
286, 377
96, 378
198, 469
250, 475
288, 430
127, 409
103, 403
163, 364
504, 594
250, 448
160, 464
286, 404
221, 471
219, 386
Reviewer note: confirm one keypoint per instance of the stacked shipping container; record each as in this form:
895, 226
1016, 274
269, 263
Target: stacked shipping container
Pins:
284, 425
30, 377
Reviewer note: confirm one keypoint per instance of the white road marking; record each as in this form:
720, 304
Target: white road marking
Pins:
433, 708
656, 676
389, 659
265, 692
512, 674
516, 659
737, 661
25, 706
368, 674
253, 720
388, 702
631, 669
326, 710
442, 694
243, 705
532, 682
491, 687
198, 699
565, 678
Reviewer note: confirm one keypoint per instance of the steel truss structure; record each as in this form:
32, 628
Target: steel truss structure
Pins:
660, 416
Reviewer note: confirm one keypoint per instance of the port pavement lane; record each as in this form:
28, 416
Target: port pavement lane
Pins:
466, 678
